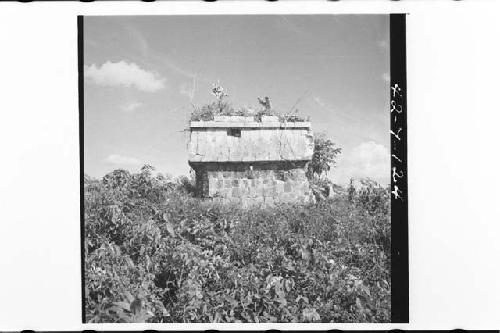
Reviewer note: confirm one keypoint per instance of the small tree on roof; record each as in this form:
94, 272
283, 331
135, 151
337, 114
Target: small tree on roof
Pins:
219, 93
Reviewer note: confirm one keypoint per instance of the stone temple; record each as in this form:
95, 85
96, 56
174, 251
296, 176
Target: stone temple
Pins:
238, 159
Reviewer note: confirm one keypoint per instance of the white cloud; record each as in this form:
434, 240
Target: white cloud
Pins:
122, 160
113, 74
386, 77
132, 106
369, 159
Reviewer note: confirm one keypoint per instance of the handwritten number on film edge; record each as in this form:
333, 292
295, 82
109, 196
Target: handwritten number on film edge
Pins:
398, 109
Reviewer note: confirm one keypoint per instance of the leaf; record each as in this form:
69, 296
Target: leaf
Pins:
136, 306
129, 261
122, 305
170, 228
129, 296
359, 305
310, 315
278, 288
118, 310
305, 299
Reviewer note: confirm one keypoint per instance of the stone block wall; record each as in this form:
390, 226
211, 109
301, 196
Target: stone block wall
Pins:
254, 183
212, 141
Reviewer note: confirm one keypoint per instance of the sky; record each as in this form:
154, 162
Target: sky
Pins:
143, 74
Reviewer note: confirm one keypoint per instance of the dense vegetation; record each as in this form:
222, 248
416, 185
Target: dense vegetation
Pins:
209, 111
221, 107
154, 253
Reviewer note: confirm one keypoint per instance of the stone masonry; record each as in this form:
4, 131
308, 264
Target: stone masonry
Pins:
238, 159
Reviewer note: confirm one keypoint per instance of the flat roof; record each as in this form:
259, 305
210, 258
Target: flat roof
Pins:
249, 124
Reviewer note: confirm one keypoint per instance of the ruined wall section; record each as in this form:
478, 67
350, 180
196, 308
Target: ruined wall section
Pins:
270, 182
245, 161
213, 141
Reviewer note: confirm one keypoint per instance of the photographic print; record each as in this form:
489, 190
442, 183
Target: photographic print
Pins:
243, 169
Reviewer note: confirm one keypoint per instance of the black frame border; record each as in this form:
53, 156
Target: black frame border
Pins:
79, 23
399, 174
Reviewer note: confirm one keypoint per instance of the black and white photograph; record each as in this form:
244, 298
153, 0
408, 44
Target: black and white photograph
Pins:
249, 165
237, 168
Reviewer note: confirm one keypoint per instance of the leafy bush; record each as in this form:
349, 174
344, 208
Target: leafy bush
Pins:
222, 108
325, 153
209, 111
154, 253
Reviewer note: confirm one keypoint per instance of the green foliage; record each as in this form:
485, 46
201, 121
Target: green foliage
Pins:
154, 253
324, 158
325, 152
208, 111
223, 108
